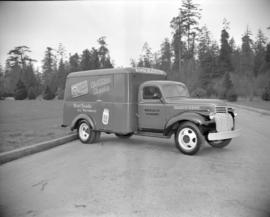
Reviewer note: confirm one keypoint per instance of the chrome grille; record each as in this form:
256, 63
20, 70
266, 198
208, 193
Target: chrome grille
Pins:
224, 122
221, 109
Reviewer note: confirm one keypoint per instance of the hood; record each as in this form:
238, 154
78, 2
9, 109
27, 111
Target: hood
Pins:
199, 102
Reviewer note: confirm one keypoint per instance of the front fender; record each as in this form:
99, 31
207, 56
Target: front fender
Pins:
187, 116
82, 117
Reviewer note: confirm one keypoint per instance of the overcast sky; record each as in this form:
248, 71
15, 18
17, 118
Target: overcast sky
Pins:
126, 24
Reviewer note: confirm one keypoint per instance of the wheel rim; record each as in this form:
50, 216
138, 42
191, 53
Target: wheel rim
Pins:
84, 131
187, 139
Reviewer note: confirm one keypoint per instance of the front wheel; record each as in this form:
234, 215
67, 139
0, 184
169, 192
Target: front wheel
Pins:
220, 143
188, 138
85, 132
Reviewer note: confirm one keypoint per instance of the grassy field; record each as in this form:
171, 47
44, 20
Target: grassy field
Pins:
26, 122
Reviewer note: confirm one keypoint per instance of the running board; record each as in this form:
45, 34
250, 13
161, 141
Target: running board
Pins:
151, 134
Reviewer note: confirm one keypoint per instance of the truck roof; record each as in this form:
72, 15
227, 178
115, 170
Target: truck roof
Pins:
135, 70
161, 82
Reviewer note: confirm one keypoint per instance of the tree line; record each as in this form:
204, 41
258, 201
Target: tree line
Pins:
20, 80
209, 68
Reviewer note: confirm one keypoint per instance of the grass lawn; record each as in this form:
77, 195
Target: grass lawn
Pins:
28, 122
255, 103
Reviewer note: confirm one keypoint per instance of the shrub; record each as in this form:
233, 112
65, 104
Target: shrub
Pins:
199, 93
20, 91
31, 93
266, 93
60, 93
48, 94
231, 95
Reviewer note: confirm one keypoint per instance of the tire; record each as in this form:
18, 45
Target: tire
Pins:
220, 143
97, 136
124, 136
85, 132
188, 138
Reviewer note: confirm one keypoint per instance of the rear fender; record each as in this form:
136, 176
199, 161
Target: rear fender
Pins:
188, 116
82, 117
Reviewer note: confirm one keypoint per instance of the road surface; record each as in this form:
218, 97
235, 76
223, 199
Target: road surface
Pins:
143, 177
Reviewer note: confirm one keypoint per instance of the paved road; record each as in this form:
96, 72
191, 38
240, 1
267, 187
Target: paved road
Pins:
143, 177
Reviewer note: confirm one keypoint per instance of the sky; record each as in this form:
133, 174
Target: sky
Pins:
127, 25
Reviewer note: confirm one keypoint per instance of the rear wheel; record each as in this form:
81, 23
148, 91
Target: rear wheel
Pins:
124, 136
220, 143
188, 138
85, 132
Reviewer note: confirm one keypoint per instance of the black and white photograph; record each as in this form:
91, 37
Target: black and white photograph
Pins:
133, 108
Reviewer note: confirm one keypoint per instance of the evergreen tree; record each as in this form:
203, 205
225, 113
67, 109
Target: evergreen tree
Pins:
208, 54
31, 94
260, 51
20, 91
166, 56
103, 53
224, 60
247, 56
2, 81
48, 94
95, 60
61, 75
187, 28
74, 63
147, 56
86, 60
49, 69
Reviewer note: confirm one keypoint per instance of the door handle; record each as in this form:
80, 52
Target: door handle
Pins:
99, 100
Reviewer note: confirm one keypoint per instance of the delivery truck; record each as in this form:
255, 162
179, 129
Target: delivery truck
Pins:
141, 101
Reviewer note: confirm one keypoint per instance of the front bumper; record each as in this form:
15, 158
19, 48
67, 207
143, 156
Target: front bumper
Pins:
223, 135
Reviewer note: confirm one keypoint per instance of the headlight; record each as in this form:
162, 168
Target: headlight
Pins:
211, 115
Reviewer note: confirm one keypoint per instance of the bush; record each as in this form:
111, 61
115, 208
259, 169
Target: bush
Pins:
199, 93
231, 95
20, 91
266, 93
31, 93
60, 94
48, 94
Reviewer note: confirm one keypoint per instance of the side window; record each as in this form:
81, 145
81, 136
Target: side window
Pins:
151, 92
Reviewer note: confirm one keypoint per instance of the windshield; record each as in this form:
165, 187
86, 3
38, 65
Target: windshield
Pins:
175, 90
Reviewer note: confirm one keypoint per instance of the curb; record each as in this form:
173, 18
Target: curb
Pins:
261, 111
32, 149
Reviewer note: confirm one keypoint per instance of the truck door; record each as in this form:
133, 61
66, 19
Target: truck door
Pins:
151, 109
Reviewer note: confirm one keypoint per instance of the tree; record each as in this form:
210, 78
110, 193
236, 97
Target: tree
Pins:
86, 60
247, 56
19, 66
31, 94
147, 56
187, 26
49, 68
103, 53
207, 54
61, 75
48, 94
260, 52
74, 63
166, 55
20, 91
19, 55
2, 83
224, 60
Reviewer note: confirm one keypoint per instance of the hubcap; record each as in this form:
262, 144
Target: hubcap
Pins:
84, 131
187, 139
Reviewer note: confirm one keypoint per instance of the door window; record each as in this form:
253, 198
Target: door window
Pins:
151, 92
